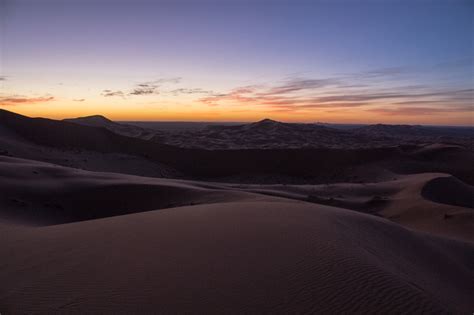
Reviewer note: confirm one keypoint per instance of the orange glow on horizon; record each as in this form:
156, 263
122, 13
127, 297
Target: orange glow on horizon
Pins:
235, 114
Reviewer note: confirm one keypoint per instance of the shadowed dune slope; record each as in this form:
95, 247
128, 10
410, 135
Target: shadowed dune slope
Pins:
65, 134
35, 193
121, 129
216, 251
450, 191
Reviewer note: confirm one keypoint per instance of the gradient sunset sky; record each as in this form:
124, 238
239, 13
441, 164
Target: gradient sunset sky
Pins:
329, 61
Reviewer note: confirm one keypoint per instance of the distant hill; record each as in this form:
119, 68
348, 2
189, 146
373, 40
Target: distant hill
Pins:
95, 121
412, 131
265, 134
381, 130
119, 128
271, 134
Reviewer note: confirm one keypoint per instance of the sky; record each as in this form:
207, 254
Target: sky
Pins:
237, 60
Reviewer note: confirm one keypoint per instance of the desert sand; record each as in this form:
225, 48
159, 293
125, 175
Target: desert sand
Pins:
95, 221
102, 242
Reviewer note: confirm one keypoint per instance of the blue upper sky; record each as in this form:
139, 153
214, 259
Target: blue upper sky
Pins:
195, 55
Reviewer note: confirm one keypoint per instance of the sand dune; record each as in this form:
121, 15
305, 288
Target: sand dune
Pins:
270, 134
99, 149
418, 208
69, 195
378, 230
450, 191
431, 202
191, 259
119, 128
211, 248
14, 145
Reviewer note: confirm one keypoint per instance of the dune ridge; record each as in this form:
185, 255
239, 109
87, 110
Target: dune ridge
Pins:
99, 149
69, 195
409, 200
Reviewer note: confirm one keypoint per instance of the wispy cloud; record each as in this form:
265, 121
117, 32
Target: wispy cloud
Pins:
388, 91
79, 100
20, 100
371, 96
110, 93
421, 110
189, 91
144, 88
301, 84
367, 90
152, 87
389, 72
427, 102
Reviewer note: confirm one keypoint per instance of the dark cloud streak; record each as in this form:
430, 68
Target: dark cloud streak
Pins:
144, 88
110, 93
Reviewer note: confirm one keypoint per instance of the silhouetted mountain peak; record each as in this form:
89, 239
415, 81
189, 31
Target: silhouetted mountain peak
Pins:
267, 121
94, 120
95, 117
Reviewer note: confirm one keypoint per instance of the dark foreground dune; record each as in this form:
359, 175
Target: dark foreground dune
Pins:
212, 248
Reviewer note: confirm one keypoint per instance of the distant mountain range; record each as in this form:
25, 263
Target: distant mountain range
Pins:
412, 131
271, 134
264, 134
261, 152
